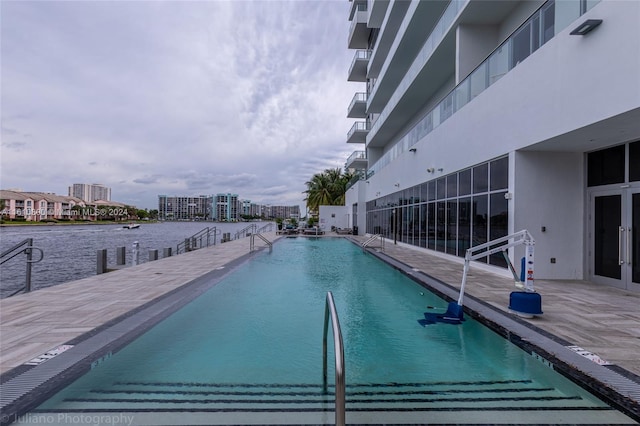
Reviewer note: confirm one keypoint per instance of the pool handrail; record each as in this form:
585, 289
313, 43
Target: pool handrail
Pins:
330, 308
371, 239
252, 242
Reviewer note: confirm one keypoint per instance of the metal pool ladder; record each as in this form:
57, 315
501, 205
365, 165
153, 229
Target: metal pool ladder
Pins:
330, 308
371, 240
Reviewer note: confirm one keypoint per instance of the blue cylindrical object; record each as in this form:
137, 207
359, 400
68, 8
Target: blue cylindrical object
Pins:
524, 302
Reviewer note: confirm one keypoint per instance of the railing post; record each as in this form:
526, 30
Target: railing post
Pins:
153, 254
121, 255
135, 254
29, 253
101, 261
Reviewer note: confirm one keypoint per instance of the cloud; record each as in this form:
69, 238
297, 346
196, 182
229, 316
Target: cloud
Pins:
173, 97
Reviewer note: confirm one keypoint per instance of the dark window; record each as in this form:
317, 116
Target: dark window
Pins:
548, 21
464, 187
431, 230
479, 217
452, 185
441, 188
480, 178
441, 226
498, 224
432, 190
464, 226
499, 170
521, 45
452, 228
634, 161
606, 166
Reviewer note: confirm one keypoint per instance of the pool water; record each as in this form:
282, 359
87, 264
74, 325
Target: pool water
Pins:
253, 342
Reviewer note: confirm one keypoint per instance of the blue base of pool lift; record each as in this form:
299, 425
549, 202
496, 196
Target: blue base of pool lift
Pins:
454, 315
526, 304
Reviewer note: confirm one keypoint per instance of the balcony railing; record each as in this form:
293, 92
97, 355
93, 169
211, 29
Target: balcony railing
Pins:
358, 106
358, 68
358, 132
502, 60
357, 160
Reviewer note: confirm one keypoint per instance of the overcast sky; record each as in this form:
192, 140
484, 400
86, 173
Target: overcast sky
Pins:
174, 97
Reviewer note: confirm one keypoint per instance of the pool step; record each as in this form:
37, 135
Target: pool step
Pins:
365, 403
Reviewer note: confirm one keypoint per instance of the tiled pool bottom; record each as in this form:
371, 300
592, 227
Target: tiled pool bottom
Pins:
396, 383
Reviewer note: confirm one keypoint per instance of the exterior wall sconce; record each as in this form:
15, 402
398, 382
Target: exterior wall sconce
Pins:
397, 185
586, 26
440, 169
412, 149
431, 170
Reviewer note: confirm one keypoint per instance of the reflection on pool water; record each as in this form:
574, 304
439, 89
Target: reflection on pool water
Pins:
254, 342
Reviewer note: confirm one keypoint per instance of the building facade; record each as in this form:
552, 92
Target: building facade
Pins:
478, 119
185, 208
37, 206
226, 208
90, 192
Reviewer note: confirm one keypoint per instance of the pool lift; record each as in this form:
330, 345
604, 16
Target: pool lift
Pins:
525, 302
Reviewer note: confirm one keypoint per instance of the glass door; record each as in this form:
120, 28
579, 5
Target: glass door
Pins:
615, 238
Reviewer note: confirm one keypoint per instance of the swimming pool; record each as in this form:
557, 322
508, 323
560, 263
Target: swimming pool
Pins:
250, 350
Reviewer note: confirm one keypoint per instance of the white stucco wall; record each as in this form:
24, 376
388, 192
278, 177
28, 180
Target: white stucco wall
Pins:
331, 216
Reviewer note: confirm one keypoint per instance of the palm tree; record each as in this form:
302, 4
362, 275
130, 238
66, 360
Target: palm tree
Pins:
327, 189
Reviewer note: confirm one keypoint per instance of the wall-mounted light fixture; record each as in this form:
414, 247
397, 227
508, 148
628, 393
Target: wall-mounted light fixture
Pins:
367, 181
440, 169
586, 26
412, 149
431, 170
397, 184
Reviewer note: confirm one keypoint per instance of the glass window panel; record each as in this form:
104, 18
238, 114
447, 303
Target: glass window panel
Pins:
498, 64
607, 220
548, 14
431, 230
446, 107
498, 224
480, 178
423, 225
635, 238
499, 174
461, 94
535, 33
464, 184
452, 228
452, 185
423, 192
432, 190
464, 225
634, 162
478, 80
479, 218
606, 166
441, 218
441, 188
415, 225
521, 45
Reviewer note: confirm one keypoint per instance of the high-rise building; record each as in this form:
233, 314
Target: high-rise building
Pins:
478, 119
185, 207
226, 208
90, 192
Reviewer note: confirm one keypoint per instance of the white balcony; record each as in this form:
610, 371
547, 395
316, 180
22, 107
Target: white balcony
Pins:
359, 31
358, 132
357, 160
358, 106
358, 69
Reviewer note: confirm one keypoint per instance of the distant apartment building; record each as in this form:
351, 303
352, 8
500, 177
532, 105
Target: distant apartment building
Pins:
90, 192
247, 208
226, 208
185, 208
37, 206
282, 212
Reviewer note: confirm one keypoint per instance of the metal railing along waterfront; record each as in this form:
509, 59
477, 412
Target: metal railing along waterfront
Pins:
245, 232
265, 228
330, 311
198, 240
26, 247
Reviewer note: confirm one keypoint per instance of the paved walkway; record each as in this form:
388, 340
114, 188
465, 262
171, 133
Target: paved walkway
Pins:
600, 319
